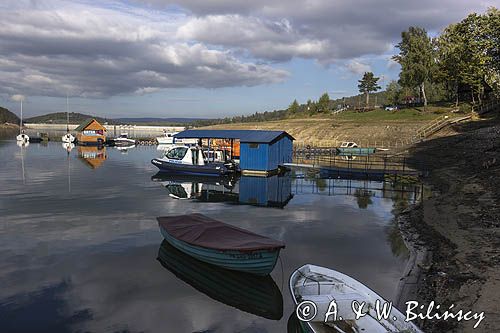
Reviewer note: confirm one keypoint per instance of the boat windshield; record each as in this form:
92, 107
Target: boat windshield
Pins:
177, 153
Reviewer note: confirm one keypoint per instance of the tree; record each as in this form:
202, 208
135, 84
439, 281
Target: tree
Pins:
416, 58
323, 103
393, 93
367, 84
294, 107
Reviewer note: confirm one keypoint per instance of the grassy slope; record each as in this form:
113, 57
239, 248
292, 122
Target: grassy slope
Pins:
7, 116
381, 128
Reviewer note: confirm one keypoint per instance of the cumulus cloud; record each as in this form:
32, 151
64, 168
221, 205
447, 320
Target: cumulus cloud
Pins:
56, 48
17, 98
358, 67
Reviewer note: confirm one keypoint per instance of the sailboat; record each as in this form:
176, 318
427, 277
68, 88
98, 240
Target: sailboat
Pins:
68, 137
22, 137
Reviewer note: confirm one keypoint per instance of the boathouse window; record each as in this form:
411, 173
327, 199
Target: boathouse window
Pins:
254, 145
177, 153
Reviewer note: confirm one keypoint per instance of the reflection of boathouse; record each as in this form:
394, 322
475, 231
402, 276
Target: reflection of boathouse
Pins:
92, 156
275, 191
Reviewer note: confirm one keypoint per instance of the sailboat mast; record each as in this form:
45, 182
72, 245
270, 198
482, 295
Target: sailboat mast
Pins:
67, 114
21, 120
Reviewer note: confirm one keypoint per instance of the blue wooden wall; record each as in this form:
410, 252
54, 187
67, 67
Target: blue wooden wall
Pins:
265, 157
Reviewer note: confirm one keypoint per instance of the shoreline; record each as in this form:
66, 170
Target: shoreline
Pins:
454, 235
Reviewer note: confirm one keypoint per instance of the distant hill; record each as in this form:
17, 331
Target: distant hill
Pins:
60, 118
8, 117
76, 118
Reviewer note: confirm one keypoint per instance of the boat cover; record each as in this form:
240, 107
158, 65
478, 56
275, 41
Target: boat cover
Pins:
200, 230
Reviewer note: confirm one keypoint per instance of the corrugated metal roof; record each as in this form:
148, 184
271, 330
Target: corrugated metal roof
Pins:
257, 136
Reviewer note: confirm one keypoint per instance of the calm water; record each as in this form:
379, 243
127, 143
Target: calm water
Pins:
79, 242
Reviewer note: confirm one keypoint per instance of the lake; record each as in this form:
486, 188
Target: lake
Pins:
79, 242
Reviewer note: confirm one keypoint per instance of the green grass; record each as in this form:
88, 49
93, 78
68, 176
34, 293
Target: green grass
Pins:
410, 114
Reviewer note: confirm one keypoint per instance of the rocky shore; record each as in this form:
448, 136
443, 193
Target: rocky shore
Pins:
454, 233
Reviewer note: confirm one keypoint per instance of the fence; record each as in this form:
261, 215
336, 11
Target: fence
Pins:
377, 165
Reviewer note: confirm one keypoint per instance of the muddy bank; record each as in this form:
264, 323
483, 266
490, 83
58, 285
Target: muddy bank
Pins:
459, 225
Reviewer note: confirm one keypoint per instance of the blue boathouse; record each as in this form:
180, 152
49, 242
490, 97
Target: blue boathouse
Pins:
261, 152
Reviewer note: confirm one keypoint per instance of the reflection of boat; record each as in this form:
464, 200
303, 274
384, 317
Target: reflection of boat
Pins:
190, 187
221, 244
351, 148
124, 149
251, 293
275, 191
191, 160
93, 156
68, 146
322, 285
123, 140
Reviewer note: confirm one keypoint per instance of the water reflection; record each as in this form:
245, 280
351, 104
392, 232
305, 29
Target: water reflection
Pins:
251, 293
117, 285
93, 156
275, 191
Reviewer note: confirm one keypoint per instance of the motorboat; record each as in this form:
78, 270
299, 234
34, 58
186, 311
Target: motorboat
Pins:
321, 286
351, 148
124, 140
221, 244
168, 138
193, 161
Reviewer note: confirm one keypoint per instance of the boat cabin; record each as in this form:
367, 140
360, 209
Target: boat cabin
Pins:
186, 155
91, 132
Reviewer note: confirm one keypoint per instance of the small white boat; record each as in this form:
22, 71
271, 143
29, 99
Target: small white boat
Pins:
166, 139
68, 138
123, 140
322, 285
169, 139
22, 137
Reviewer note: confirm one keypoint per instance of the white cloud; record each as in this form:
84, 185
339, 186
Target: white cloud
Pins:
357, 67
17, 98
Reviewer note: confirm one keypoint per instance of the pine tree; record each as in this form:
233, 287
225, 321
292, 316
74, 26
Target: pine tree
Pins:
368, 84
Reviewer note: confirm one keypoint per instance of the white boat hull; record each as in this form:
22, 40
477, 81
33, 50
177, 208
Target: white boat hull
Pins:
322, 285
23, 138
68, 138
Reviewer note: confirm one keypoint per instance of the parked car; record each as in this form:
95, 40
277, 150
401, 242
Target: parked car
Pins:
391, 108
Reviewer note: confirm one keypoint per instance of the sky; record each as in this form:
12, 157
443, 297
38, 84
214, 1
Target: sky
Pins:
206, 59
